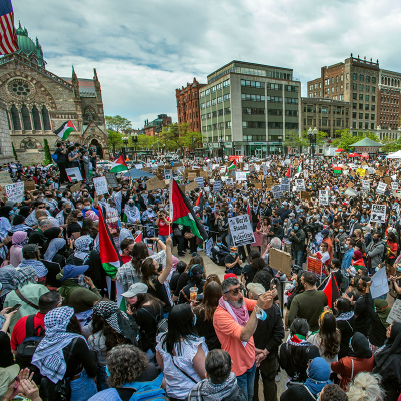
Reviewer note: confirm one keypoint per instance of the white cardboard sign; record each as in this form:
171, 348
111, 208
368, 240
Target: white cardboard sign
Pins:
241, 230
100, 184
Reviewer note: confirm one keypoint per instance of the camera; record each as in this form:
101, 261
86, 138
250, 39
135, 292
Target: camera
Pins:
295, 269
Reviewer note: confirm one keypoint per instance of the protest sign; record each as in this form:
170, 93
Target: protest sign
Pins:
74, 174
200, 182
111, 179
277, 192
394, 186
379, 284
395, 313
361, 172
258, 185
269, 182
191, 186
365, 185
15, 192
350, 192
240, 176
138, 166
229, 181
100, 184
280, 260
285, 184
155, 183
305, 195
241, 230
217, 186
5, 178
167, 174
387, 180
397, 194
378, 214
314, 265
381, 188
76, 187
299, 185
324, 197
30, 185
371, 170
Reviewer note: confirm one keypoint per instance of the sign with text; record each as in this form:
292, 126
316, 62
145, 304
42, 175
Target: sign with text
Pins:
200, 181
74, 174
285, 184
395, 313
378, 214
111, 179
299, 185
394, 186
315, 265
381, 188
229, 181
241, 230
240, 176
217, 186
15, 192
324, 197
5, 178
277, 192
167, 174
365, 185
155, 183
100, 184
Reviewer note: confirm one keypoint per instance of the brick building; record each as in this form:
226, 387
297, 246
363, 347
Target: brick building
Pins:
325, 114
188, 107
152, 128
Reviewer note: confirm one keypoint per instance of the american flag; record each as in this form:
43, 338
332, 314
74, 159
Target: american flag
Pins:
8, 37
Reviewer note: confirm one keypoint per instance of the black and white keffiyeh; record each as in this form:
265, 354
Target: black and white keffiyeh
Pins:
83, 247
49, 357
116, 318
54, 246
24, 276
41, 269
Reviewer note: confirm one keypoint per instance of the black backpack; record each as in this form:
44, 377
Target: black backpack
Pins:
27, 348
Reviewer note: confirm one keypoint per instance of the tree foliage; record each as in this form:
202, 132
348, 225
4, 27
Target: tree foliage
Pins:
391, 145
48, 156
117, 123
180, 137
344, 139
115, 140
292, 139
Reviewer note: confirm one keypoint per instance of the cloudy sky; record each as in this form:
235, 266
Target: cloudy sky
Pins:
143, 50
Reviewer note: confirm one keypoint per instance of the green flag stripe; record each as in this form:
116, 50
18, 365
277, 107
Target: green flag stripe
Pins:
110, 269
189, 222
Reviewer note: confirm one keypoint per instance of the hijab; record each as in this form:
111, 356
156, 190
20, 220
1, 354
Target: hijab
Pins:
54, 246
383, 310
83, 247
19, 239
359, 346
392, 345
318, 375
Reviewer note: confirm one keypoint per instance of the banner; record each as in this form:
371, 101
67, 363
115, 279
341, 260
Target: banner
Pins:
285, 184
100, 185
74, 174
15, 192
241, 230
299, 185
324, 197
378, 214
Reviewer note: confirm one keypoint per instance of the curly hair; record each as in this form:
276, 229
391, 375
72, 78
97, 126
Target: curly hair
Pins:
126, 363
333, 392
366, 386
73, 216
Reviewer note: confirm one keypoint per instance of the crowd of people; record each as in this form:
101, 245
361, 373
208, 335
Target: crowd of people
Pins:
163, 328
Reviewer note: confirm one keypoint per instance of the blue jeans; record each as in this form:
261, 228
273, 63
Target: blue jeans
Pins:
101, 378
246, 382
298, 256
82, 388
163, 238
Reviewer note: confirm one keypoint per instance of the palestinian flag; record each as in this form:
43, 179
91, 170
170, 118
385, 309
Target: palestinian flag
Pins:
331, 290
181, 212
138, 237
300, 167
199, 202
119, 165
288, 173
109, 257
248, 212
337, 169
65, 130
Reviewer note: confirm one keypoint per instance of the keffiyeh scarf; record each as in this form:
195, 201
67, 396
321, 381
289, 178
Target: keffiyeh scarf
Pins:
49, 357
41, 269
19, 227
83, 247
24, 276
54, 246
116, 318
206, 390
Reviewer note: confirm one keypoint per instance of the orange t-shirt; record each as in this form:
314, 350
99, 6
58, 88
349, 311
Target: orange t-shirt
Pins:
229, 334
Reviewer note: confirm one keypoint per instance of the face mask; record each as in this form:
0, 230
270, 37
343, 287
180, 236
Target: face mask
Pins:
339, 209
301, 211
399, 268
67, 211
131, 204
80, 218
194, 319
370, 199
232, 253
296, 228
149, 209
160, 267
293, 283
261, 315
340, 230
375, 239
352, 220
218, 243
376, 269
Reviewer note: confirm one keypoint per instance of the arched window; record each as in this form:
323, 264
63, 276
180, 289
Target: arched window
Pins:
25, 118
8, 120
36, 119
15, 118
46, 120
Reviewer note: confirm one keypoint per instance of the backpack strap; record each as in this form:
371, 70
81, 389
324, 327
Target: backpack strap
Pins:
30, 326
22, 298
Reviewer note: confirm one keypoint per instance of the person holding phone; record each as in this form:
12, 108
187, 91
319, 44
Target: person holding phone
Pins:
6, 315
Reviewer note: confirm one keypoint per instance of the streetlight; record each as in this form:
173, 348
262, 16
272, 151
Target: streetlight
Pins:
134, 137
125, 142
312, 134
222, 147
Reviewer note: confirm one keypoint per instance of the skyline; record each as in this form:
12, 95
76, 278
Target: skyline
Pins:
143, 52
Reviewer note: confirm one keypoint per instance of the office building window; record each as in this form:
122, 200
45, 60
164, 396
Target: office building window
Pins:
366, 98
361, 77
354, 105
353, 124
253, 124
226, 83
203, 106
372, 116
213, 89
360, 116
208, 115
291, 125
291, 88
214, 114
226, 96
366, 107
354, 76
220, 112
272, 125
227, 110
373, 80
291, 100
220, 99
367, 88
219, 86
372, 107
252, 84
361, 87
373, 98
372, 125
291, 113
360, 106
228, 124
361, 96
276, 87
214, 101
251, 110
354, 114
366, 116
354, 95
252, 98
207, 92
208, 104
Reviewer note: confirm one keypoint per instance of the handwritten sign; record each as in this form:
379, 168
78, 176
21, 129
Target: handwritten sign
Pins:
100, 184
15, 192
378, 214
324, 197
111, 179
241, 230
299, 185
381, 188
395, 313
365, 185
240, 176
277, 192
285, 184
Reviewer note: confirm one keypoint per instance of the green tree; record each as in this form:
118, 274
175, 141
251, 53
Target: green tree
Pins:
117, 123
173, 136
191, 139
114, 139
14, 152
344, 139
48, 156
292, 139
391, 145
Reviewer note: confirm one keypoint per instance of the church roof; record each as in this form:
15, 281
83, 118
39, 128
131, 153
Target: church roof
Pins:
367, 142
27, 46
86, 86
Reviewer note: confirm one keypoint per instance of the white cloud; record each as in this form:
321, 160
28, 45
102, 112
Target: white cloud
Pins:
143, 50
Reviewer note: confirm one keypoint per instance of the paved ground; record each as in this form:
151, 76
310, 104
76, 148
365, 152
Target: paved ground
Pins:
212, 268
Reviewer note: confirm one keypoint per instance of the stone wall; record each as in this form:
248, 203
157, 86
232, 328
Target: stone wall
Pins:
6, 150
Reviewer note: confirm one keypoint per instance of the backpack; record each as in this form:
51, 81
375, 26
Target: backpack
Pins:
54, 157
27, 348
161, 322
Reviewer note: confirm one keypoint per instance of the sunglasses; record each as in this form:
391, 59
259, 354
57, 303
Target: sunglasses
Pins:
235, 291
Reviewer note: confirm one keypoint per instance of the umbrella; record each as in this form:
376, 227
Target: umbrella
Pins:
365, 155
136, 173
357, 155
351, 155
339, 150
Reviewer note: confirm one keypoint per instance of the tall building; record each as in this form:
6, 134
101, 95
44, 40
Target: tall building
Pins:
356, 81
38, 101
247, 108
188, 107
152, 128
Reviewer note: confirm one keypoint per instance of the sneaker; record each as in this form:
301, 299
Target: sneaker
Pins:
277, 378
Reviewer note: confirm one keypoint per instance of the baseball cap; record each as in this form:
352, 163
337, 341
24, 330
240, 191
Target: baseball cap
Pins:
228, 275
256, 288
135, 289
325, 232
275, 221
285, 203
29, 248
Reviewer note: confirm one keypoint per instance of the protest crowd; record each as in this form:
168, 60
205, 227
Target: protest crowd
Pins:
105, 294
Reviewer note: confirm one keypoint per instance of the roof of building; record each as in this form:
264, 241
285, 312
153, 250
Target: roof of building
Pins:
367, 142
27, 46
86, 86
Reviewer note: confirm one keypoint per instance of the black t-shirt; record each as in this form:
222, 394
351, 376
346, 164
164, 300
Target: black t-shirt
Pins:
362, 319
160, 293
73, 228
206, 329
61, 157
182, 299
249, 273
182, 282
6, 359
148, 325
80, 357
231, 259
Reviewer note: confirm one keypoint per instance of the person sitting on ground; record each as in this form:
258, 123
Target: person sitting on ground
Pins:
219, 252
220, 383
30, 254
233, 262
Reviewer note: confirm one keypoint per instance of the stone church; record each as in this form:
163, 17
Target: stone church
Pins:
34, 102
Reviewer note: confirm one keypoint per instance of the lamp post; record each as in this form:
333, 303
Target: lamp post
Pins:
134, 137
312, 134
222, 147
125, 142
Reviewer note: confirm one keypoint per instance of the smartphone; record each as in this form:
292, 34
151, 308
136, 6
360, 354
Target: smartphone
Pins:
14, 308
274, 282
